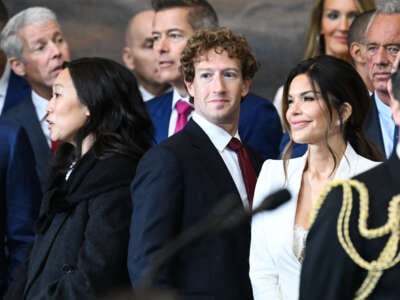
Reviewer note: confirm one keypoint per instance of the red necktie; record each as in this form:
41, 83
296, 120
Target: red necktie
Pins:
54, 145
248, 173
184, 109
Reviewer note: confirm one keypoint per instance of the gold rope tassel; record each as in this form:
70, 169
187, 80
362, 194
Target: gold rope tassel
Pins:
387, 258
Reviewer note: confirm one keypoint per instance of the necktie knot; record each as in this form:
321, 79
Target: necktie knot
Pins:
184, 109
234, 144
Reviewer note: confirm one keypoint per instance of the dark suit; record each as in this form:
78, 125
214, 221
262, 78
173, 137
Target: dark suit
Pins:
371, 126
259, 123
18, 90
25, 115
81, 244
328, 272
176, 185
19, 198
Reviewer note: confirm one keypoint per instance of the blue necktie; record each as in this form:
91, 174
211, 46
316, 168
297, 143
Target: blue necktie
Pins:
396, 136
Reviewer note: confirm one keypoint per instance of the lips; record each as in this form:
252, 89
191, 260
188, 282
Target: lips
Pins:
165, 63
342, 39
299, 124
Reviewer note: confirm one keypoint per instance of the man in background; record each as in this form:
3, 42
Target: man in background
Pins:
36, 50
357, 47
139, 57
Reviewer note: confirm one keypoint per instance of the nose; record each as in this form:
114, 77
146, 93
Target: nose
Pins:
50, 104
293, 109
219, 83
55, 49
344, 23
382, 56
161, 44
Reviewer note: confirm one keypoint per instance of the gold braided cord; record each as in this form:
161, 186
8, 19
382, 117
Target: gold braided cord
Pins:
387, 258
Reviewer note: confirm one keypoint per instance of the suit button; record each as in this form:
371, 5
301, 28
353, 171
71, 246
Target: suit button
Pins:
67, 268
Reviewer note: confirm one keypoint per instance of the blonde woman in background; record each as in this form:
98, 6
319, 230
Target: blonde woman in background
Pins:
327, 32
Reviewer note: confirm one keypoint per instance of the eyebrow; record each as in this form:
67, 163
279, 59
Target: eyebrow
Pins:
306, 92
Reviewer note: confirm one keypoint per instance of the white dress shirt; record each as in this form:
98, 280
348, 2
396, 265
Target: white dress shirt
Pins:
174, 114
146, 95
40, 104
387, 125
4, 85
220, 139
274, 268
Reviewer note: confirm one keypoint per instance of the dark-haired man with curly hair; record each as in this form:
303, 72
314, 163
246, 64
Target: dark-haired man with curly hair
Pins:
179, 181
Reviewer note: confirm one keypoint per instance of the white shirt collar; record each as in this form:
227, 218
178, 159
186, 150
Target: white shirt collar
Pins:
218, 136
40, 104
146, 95
176, 97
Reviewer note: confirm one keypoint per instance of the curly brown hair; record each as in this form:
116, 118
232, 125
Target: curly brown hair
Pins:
221, 39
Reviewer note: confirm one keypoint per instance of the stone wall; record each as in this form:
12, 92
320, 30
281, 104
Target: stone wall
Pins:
274, 28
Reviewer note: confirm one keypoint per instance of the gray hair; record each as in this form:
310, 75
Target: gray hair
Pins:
386, 7
10, 41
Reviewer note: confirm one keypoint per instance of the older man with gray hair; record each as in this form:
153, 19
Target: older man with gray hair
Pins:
36, 49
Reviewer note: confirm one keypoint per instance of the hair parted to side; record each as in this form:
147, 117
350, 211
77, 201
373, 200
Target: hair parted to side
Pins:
219, 40
338, 82
201, 14
358, 28
118, 118
315, 42
10, 42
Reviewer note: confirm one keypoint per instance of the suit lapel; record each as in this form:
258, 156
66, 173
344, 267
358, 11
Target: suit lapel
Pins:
372, 126
210, 159
160, 110
18, 90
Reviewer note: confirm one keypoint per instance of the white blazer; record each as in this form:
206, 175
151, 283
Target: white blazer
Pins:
274, 269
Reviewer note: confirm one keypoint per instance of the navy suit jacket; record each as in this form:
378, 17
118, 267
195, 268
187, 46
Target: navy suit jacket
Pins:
177, 183
371, 126
20, 196
259, 123
328, 272
18, 90
25, 115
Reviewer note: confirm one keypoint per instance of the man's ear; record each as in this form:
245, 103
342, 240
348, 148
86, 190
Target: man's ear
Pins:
127, 58
245, 87
189, 88
17, 66
356, 53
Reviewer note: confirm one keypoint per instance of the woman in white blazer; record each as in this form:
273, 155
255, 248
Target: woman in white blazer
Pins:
325, 105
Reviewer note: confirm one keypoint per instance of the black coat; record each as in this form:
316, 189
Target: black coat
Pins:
177, 184
80, 250
328, 272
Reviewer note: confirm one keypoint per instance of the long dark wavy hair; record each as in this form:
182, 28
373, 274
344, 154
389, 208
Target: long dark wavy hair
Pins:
338, 82
118, 118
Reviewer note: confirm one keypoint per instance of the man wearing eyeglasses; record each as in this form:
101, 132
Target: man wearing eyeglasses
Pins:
383, 44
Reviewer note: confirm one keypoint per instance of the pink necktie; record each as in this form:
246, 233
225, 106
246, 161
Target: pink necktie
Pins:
248, 173
184, 109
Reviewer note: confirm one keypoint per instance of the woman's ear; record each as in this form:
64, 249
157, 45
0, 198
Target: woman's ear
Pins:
345, 111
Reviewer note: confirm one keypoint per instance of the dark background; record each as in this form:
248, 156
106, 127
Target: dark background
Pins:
276, 29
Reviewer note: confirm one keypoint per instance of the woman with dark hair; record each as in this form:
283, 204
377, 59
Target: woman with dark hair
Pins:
81, 243
325, 105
